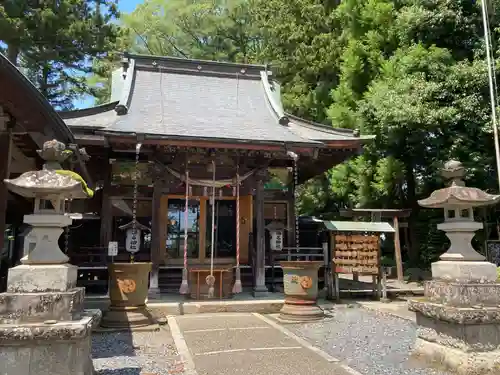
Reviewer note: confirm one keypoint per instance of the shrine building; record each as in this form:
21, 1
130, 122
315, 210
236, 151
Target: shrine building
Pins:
194, 149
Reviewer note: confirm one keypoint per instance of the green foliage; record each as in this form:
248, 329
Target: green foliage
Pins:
410, 72
53, 40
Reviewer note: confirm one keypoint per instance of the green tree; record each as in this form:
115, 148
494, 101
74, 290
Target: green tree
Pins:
220, 30
301, 41
54, 40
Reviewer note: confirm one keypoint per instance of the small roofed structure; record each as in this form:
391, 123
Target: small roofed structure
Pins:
395, 214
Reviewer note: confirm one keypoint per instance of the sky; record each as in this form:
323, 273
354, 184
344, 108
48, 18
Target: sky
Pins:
125, 6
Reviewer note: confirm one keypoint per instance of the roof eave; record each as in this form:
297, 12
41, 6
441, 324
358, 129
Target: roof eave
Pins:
158, 137
60, 127
68, 115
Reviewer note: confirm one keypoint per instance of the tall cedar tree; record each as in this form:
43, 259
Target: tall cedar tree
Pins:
54, 41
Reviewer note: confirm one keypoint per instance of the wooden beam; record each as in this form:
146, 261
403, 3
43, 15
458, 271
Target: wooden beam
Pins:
21, 161
5, 146
38, 138
397, 249
211, 144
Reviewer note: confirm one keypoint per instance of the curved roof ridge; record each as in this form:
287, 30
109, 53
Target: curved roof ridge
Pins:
127, 89
319, 126
84, 112
201, 61
273, 99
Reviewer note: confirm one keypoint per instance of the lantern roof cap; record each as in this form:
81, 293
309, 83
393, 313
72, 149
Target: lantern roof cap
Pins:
130, 225
457, 195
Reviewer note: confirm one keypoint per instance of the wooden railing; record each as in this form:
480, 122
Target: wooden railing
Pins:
298, 253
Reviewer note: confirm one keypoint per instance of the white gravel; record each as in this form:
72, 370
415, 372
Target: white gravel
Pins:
140, 353
370, 342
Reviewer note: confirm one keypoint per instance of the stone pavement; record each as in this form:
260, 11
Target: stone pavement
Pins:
246, 344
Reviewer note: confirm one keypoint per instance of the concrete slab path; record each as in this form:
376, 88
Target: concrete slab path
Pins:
247, 344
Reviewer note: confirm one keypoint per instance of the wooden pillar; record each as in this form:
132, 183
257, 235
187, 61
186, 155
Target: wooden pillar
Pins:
397, 249
260, 288
156, 248
6, 147
106, 231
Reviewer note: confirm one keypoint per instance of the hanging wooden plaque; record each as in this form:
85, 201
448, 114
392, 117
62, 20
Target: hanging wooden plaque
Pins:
357, 253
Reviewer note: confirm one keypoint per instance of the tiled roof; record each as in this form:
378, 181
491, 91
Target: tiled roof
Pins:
193, 99
98, 117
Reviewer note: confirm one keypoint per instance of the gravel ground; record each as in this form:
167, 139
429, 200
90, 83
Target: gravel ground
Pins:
139, 353
370, 342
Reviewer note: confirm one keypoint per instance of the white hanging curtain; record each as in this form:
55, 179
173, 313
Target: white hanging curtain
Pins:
210, 183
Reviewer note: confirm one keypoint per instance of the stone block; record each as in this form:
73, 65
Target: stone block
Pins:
461, 294
464, 271
16, 308
42, 278
48, 349
14, 360
456, 360
465, 337
457, 315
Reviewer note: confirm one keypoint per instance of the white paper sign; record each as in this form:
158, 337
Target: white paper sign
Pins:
112, 248
133, 240
276, 240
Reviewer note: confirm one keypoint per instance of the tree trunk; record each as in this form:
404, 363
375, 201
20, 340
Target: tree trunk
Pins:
44, 81
411, 202
13, 53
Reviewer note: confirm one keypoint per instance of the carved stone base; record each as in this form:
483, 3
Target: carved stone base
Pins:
464, 271
462, 294
462, 363
301, 313
42, 278
48, 349
461, 339
17, 308
260, 291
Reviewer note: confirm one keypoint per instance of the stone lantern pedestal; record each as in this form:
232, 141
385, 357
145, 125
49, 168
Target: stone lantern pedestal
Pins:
459, 315
43, 327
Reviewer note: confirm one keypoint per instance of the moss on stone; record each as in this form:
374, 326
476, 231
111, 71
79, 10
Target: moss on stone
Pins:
77, 177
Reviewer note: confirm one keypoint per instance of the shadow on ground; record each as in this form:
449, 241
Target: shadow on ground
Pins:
113, 344
121, 371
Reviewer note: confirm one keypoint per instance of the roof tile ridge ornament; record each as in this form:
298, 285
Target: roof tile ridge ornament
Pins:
128, 75
276, 107
324, 127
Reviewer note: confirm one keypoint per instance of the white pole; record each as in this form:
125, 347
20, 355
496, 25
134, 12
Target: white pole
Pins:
492, 90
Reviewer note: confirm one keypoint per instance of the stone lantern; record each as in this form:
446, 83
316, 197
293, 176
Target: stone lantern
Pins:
43, 327
459, 316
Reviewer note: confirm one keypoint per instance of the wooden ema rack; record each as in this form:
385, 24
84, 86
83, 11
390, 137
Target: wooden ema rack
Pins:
357, 254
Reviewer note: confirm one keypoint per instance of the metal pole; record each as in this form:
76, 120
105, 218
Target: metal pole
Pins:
492, 90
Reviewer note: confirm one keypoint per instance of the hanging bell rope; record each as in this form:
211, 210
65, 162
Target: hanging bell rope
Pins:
295, 196
134, 202
184, 289
237, 287
210, 278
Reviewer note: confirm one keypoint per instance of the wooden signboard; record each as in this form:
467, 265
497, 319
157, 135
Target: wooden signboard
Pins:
357, 254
